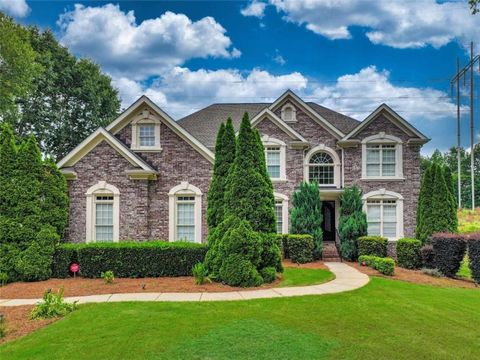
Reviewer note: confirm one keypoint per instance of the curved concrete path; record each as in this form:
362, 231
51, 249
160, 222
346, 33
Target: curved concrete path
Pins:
346, 278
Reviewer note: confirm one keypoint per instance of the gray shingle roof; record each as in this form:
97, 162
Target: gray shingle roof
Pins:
204, 124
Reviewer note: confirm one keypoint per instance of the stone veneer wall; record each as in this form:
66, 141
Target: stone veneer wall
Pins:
408, 188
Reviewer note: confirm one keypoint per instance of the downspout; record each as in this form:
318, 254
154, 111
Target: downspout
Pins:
342, 169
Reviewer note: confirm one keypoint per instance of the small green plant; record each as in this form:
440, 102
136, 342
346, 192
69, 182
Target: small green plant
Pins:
432, 272
384, 265
3, 326
107, 277
3, 278
200, 273
52, 305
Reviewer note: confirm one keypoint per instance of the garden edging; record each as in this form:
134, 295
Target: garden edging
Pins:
346, 278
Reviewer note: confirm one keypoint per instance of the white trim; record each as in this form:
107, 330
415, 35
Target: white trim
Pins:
315, 116
393, 117
184, 188
294, 112
101, 188
383, 194
270, 141
145, 118
336, 164
122, 121
284, 199
379, 139
92, 141
270, 115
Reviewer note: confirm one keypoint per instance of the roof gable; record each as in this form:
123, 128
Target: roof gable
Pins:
125, 118
290, 95
270, 115
391, 115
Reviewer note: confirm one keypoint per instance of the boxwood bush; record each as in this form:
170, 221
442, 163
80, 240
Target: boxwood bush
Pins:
384, 265
373, 246
474, 256
428, 257
130, 259
300, 248
408, 253
449, 250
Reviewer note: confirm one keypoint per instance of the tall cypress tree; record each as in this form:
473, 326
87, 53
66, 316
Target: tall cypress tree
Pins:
248, 195
425, 203
306, 214
54, 197
444, 211
8, 161
447, 173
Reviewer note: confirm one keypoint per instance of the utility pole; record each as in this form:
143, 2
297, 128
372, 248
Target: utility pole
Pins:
463, 73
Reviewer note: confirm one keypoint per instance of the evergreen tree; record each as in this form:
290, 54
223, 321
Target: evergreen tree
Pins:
424, 203
248, 195
353, 222
54, 197
224, 157
447, 173
8, 161
306, 214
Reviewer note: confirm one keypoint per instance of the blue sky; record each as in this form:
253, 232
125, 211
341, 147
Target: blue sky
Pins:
350, 56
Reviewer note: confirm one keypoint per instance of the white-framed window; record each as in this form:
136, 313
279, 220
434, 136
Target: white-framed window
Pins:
102, 213
146, 132
322, 165
382, 157
275, 158
384, 211
281, 213
185, 213
289, 113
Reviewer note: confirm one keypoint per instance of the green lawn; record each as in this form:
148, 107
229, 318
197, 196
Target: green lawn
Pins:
386, 319
301, 276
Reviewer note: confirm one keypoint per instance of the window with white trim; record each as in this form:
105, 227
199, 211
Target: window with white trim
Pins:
146, 132
382, 217
288, 113
381, 160
321, 169
104, 217
279, 215
103, 213
273, 159
146, 135
185, 218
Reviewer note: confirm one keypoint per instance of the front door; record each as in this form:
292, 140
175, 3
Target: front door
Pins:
328, 223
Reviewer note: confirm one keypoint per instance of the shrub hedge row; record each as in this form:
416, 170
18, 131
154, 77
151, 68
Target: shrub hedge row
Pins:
129, 259
298, 248
449, 250
474, 256
384, 265
428, 257
372, 246
408, 253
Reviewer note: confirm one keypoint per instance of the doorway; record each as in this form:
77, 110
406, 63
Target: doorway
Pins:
328, 222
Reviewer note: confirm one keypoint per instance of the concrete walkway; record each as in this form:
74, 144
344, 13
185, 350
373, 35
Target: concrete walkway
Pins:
346, 278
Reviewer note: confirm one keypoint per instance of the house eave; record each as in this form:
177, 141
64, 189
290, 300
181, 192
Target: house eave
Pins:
138, 174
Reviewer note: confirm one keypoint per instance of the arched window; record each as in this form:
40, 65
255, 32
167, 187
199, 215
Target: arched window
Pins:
321, 169
384, 213
288, 113
103, 213
185, 213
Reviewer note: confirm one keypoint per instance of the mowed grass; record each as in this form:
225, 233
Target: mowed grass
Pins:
386, 319
302, 277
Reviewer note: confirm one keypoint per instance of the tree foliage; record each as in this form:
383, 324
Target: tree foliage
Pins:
353, 222
306, 214
248, 195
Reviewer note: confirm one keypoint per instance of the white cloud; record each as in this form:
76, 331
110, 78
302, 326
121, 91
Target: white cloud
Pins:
278, 58
400, 24
182, 91
255, 8
15, 8
124, 48
357, 95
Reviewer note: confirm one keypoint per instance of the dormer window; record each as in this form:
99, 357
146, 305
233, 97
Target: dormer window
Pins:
146, 132
289, 113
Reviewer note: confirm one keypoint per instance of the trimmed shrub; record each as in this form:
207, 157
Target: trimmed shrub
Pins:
474, 256
300, 248
449, 250
238, 271
131, 259
373, 246
384, 265
428, 257
408, 253
64, 255
271, 255
268, 274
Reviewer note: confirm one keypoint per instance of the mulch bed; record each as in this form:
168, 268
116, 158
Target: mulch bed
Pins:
416, 276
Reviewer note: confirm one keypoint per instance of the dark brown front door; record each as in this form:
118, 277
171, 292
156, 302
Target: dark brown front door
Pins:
328, 223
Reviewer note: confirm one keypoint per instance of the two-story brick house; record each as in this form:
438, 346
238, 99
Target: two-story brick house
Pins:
146, 176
